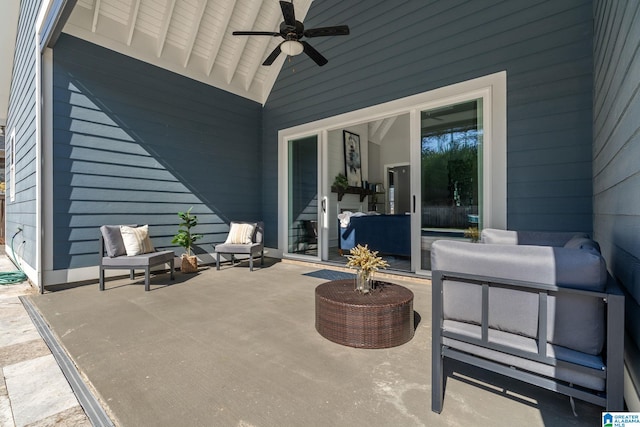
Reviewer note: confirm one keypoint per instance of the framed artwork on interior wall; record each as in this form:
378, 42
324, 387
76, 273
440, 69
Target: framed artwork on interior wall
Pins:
352, 162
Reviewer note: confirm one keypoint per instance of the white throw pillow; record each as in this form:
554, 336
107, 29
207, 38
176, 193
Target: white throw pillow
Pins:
136, 240
240, 233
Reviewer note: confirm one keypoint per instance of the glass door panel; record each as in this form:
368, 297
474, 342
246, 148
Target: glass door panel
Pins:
303, 210
451, 174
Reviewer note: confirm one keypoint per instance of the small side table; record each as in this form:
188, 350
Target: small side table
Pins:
380, 319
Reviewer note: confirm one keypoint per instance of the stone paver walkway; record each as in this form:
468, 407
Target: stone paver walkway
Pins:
33, 390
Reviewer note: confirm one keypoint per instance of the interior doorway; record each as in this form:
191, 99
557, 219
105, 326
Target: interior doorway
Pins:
399, 189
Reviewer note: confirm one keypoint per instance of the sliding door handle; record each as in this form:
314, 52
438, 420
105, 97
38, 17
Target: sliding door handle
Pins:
414, 203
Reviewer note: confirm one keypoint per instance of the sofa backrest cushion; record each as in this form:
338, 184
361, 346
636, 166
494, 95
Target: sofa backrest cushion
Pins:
113, 243
540, 238
580, 242
542, 264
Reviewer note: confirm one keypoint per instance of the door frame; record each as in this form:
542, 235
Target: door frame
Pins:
493, 212
492, 88
283, 193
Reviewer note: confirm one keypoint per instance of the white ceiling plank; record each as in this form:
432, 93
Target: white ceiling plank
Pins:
191, 37
96, 15
386, 126
165, 27
263, 44
135, 8
248, 22
215, 48
194, 31
374, 127
256, 61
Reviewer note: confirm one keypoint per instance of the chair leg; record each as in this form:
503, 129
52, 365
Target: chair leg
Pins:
172, 268
147, 275
233, 260
437, 385
132, 274
262, 257
218, 261
101, 280
250, 262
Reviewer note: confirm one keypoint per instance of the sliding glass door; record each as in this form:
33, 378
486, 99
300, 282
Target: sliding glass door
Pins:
303, 206
451, 139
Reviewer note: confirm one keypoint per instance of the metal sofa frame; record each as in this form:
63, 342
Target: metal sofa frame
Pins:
612, 398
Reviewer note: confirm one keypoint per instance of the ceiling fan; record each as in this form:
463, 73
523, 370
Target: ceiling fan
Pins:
292, 31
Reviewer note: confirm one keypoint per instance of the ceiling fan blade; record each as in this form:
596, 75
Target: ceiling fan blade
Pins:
314, 54
272, 57
288, 13
338, 30
255, 33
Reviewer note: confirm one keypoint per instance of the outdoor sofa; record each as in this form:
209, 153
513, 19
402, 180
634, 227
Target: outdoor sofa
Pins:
535, 306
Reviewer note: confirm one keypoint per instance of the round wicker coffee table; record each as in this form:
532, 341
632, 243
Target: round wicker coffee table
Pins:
380, 319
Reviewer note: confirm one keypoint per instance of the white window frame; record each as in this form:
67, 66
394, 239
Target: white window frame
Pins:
12, 166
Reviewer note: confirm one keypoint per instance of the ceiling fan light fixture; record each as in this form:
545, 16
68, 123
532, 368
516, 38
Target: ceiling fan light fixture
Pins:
291, 47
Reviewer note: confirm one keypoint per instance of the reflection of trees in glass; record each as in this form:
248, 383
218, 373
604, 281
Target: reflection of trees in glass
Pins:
450, 168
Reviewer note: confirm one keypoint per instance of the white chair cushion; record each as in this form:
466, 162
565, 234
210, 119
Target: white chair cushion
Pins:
136, 240
240, 233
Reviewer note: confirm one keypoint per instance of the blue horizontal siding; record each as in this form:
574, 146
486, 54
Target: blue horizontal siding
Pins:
616, 151
21, 118
401, 49
136, 144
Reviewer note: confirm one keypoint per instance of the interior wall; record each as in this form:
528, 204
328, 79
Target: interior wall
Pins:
336, 165
396, 146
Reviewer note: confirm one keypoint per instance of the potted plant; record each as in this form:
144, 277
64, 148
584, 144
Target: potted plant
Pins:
186, 239
472, 233
340, 182
366, 262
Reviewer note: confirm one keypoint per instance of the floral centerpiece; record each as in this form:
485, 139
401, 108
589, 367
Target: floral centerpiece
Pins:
472, 233
367, 262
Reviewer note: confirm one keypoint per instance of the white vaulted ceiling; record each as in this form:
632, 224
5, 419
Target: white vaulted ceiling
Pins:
191, 37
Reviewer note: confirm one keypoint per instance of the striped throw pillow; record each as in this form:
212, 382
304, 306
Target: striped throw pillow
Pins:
240, 233
136, 240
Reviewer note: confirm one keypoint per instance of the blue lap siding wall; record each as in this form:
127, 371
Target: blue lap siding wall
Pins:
134, 143
21, 119
397, 49
616, 156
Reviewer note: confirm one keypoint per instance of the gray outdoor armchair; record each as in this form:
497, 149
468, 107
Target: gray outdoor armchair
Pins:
245, 238
113, 254
537, 307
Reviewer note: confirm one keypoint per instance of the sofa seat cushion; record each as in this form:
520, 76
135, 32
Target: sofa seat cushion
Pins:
139, 261
234, 248
517, 342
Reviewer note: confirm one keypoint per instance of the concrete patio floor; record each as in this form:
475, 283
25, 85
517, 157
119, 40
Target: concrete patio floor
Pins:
239, 348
